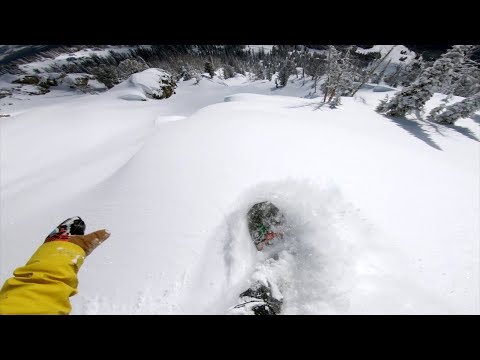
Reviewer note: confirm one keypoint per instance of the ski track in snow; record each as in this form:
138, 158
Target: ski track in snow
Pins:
323, 258
314, 259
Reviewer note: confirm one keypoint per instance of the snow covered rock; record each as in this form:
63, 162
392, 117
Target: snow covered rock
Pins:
29, 80
34, 85
43, 83
76, 80
151, 83
4, 93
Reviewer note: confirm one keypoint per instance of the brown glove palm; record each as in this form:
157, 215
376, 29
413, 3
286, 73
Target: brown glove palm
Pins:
73, 229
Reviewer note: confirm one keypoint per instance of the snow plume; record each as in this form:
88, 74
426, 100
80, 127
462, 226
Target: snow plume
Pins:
311, 267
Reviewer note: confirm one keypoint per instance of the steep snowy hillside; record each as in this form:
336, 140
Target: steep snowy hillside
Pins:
10, 53
384, 212
64, 58
397, 52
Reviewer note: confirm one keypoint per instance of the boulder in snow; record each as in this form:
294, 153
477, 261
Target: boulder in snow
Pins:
76, 80
4, 93
27, 80
150, 83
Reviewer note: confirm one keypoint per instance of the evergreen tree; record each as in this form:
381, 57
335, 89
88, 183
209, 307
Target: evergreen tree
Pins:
333, 59
465, 81
439, 109
316, 67
228, 72
284, 73
258, 71
209, 69
468, 82
106, 74
340, 74
461, 109
128, 67
382, 105
186, 72
414, 97
268, 73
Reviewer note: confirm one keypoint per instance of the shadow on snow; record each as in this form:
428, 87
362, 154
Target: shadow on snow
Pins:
416, 129
464, 131
476, 118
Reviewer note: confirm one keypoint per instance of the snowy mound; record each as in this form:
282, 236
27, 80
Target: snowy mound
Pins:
151, 83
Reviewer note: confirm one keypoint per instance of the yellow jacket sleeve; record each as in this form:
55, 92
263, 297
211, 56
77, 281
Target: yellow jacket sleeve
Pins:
45, 283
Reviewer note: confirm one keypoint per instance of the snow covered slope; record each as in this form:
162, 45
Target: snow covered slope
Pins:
399, 51
64, 58
385, 212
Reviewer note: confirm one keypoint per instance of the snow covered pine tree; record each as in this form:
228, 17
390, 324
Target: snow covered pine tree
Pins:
340, 75
461, 109
414, 97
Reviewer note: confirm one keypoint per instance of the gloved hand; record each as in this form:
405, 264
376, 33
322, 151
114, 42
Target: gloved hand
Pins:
73, 230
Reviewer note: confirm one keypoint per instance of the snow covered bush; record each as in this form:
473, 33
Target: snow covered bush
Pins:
414, 97
27, 80
461, 109
382, 106
128, 67
228, 72
186, 72
439, 109
51, 79
106, 74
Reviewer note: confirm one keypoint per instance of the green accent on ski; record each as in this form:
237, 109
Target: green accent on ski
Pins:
263, 230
